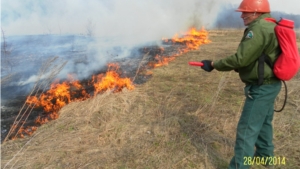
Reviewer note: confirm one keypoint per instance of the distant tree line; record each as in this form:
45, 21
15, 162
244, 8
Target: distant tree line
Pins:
228, 18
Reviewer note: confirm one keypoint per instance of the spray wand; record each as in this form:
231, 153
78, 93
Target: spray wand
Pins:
196, 64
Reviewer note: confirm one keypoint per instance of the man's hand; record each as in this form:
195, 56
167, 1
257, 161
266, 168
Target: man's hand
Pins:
207, 65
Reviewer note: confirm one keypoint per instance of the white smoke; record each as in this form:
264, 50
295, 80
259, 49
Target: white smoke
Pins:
147, 19
133, 21
124, 23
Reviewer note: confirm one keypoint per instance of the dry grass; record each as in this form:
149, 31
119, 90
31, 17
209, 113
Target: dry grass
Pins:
182, 117
48, 70
298, 33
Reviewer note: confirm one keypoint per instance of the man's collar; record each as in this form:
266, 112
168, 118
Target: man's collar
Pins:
263, 16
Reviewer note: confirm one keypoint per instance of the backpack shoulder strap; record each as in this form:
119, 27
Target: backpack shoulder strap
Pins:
261, 65
263, 58
271, 20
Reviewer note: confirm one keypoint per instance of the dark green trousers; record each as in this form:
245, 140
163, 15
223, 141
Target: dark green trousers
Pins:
254, 131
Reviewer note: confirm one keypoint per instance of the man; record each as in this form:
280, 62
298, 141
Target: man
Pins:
254, 128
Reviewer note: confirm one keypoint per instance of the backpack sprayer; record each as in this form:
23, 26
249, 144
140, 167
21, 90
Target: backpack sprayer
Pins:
287, 64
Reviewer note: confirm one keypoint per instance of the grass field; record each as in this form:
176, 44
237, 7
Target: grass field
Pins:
183, 117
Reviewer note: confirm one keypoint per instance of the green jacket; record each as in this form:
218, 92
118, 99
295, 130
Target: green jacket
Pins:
258, 38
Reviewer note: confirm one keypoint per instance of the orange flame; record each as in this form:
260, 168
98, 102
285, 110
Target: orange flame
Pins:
55, 98
111, 80
192, 39
161, 61
60, 94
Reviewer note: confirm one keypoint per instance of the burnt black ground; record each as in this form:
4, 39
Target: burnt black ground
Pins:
14, 94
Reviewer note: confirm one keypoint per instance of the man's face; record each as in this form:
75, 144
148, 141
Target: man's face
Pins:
249, 17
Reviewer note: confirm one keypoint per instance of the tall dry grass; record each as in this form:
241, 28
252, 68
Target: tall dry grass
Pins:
48, 70
297, 34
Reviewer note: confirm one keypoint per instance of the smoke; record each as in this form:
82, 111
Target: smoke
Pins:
128, 22
106, 25
148, 19
88, 34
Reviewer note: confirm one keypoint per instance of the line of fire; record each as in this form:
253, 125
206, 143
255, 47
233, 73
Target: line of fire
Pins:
43, 106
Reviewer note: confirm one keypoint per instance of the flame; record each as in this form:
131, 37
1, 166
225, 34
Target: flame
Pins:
191, 40
22, 131
60, 94
57, 97
161, 61
111, 80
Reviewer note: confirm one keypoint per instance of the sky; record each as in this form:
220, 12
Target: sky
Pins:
150, 18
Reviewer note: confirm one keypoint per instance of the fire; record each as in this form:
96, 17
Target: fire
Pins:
63, 93
60, 94
192, 39
28, 130
57, 97
161, 61
112, 80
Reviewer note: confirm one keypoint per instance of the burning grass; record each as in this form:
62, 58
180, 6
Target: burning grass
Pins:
182, 117
63, 93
